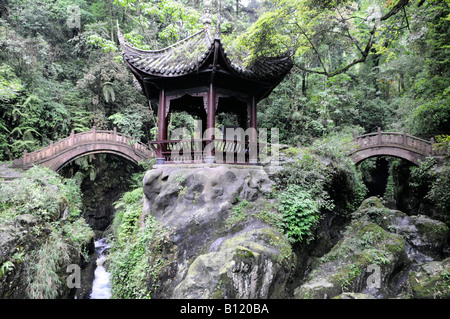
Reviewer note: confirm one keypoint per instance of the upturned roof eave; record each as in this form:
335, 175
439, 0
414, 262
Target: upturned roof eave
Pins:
137, 58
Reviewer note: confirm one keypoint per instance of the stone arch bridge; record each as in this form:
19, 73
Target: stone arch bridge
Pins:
401, 145
59, 154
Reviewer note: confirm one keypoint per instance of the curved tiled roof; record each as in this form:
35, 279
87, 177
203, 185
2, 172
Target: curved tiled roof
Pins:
189, 54
175, 60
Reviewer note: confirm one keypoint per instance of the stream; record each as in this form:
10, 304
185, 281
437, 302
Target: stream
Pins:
101, 288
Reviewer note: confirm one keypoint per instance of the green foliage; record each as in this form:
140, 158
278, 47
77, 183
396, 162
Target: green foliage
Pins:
6, 267
44, 282
135, 252
442, 144
42, 193
430, 181
439, 193
433, 116
61, 236
239, 214
300, 213
328, 175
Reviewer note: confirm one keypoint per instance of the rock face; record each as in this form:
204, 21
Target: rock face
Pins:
13, 236
431, 280
377, 252
219, 249
18, 245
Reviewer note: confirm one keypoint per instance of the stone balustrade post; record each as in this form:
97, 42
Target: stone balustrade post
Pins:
432, 147
72, 138
25, 153
379, 135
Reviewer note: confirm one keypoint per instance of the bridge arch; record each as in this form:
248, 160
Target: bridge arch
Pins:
100, 150
57, 155
398, 152
400, 145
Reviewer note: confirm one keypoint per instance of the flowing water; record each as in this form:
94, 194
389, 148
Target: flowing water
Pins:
101, 288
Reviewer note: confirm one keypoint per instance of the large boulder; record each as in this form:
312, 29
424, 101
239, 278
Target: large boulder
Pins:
217, 248
247, 265
376, 253
431, 280
364, 261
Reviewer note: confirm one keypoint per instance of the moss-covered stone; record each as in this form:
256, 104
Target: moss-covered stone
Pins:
431, 281
386, 240
243, 266
348, 265
351, 295
224, 250
370, 203
432, 230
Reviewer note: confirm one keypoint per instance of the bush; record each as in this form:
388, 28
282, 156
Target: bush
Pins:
59, 234
300, 213
42, 193
135, 251
431, 181
327, 173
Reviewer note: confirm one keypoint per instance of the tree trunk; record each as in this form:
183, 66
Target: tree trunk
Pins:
304, 84
111, 20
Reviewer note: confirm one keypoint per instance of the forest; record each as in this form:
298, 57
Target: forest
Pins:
357, 66
347, 75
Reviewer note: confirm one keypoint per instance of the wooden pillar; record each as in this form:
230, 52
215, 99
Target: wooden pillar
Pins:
161, 126
210, 124
51, 148
253, 149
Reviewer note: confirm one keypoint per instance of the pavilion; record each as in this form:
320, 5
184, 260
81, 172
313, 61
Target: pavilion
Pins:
197, 76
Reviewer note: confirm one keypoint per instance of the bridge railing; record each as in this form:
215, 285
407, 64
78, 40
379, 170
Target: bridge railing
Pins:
394, 138
79, 139
193, 150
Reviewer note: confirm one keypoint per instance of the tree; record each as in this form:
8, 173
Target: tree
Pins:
325, 38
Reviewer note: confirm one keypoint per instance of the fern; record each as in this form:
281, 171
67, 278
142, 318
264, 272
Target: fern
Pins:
300, 213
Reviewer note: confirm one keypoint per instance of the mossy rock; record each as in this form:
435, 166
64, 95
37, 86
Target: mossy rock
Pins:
346, 267
371, 202
433, 230
352, 295
246, 265
431, 281
425, 234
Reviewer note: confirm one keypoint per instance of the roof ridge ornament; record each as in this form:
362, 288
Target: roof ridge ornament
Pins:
218, 30
206, 18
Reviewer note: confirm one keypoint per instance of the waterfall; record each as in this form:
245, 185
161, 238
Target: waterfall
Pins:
101, 288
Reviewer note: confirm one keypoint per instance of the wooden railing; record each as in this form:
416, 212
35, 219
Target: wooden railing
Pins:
194, 150
83, 138
395, 139
173, 151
